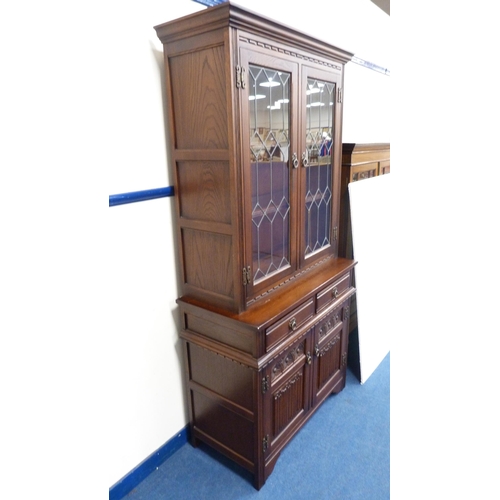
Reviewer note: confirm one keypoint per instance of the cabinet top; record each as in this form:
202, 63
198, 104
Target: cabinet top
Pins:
228, 14
287, 297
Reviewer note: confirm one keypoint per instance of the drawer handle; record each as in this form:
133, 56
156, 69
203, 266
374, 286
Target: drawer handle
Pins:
293, 324
335, 293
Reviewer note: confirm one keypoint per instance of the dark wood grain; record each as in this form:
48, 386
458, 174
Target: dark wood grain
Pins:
260, 355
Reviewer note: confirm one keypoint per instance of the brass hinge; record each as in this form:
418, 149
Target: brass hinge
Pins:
265, 385
240, 77
346, 313
339, 95
247, 280
265, 443
344, 359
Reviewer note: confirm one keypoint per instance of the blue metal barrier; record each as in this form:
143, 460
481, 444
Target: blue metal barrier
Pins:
148, 194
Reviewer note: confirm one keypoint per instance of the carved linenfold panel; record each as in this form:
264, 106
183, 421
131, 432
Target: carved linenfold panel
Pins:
328, 346
285, 362
329, 361
288, 402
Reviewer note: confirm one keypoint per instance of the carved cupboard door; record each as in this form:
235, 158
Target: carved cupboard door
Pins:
330, 353
286, 394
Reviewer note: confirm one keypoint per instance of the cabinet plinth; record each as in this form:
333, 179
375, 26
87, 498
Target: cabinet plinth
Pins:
255, 122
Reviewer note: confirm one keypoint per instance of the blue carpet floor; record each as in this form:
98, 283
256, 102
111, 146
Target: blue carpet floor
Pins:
342, 453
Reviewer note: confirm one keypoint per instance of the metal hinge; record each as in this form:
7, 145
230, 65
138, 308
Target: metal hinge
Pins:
247, 280
339, 95
240, 77
346, 313
335, 235
265, 385
344, 359
265, 443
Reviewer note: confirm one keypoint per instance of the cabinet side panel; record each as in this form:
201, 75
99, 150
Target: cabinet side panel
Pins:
199, 99
243, 341
222, 375
207, 261
226, 430
204, 195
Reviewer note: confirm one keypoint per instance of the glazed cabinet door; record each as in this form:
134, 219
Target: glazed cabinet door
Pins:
268, 103
286, 394
320, 99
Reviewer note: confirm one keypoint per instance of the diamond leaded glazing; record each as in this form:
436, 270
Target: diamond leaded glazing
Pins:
269, 145
319, 134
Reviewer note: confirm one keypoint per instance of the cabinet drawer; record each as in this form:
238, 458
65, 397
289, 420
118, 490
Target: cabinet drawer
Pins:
330, 294
289, 324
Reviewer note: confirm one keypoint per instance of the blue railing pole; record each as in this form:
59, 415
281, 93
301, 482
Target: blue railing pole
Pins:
147, 194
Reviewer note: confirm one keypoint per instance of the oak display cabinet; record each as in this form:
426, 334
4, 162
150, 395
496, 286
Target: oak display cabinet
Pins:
255, 121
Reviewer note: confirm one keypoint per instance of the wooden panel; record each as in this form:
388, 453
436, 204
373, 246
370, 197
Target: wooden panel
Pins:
222, 375
357, 154
244, 341
204, 194
288, 402
288, 391
223, 426
328, 323
199, 83
207, 261
329, 357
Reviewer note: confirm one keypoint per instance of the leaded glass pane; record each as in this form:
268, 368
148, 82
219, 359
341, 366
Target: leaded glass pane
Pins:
319, 135
269, 96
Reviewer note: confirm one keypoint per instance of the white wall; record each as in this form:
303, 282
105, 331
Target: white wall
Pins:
357, 26
89, 323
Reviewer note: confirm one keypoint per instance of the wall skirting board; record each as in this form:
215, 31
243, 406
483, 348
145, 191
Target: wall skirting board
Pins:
139, 473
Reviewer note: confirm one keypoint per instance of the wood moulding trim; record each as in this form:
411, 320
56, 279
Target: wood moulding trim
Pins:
206, 226
220, 349
230, 15
275, 48
289, 280
201, 154
351, 147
